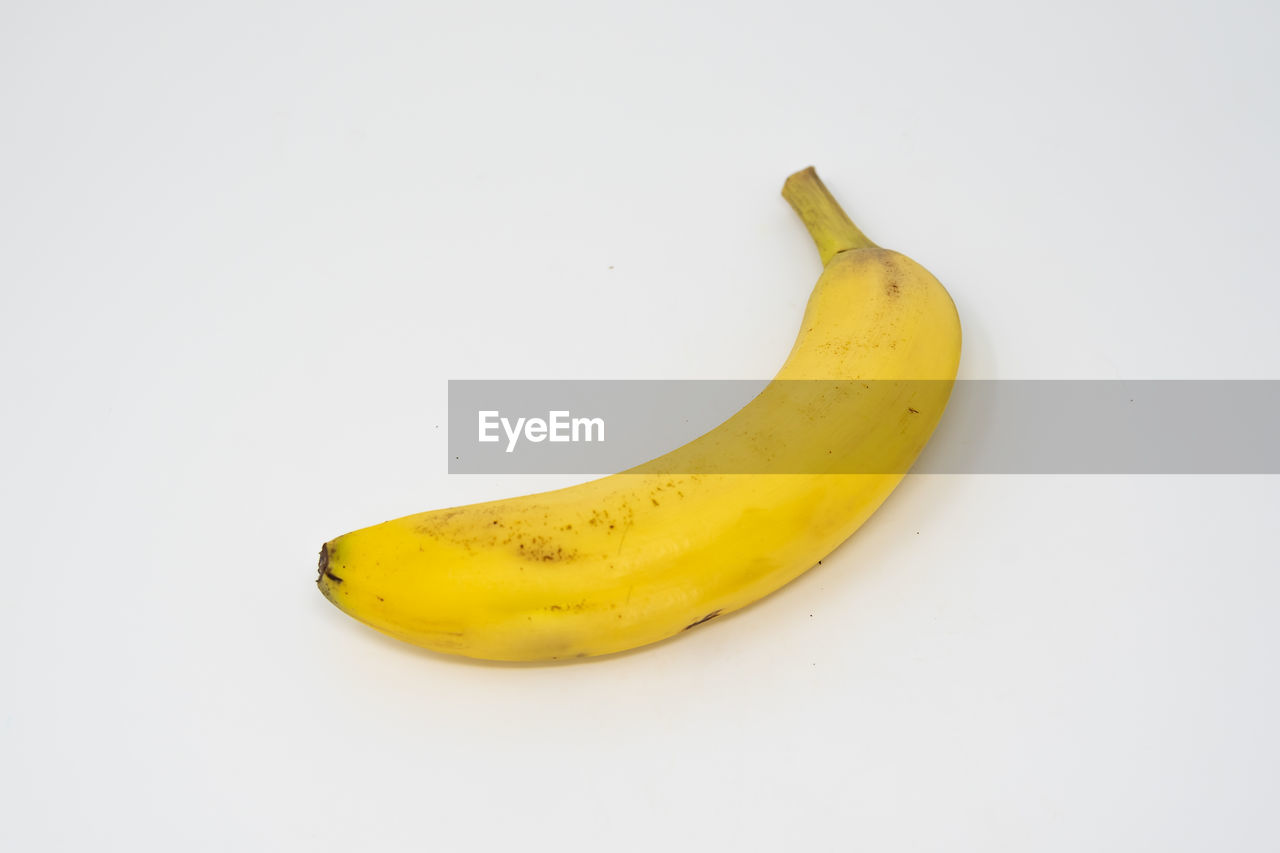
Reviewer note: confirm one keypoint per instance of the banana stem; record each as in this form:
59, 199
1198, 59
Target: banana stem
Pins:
829, 226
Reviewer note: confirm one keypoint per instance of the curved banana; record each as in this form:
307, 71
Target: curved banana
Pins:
639, 556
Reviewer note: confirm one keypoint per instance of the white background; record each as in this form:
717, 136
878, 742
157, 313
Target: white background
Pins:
243, 245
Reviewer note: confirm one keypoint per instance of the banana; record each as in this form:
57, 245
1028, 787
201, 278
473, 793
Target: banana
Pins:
640, 556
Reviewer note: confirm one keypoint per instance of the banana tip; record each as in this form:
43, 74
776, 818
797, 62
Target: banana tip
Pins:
324, 567
808, 173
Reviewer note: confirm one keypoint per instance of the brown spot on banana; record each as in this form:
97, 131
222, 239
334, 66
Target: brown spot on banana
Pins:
713, 614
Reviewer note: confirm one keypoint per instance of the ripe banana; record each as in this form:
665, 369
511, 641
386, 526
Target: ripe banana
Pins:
639, 556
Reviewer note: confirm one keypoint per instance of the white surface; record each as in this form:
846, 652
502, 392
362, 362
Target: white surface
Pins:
243, 246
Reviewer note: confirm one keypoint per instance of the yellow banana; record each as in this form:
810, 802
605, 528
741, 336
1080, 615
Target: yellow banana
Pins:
642, 555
